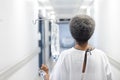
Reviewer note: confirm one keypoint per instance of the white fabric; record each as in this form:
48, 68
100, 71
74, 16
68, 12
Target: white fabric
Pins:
69, 66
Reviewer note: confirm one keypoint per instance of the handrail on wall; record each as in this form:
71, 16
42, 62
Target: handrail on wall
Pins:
5, 74
114, 63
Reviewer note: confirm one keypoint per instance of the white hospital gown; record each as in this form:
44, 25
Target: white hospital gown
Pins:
69, 66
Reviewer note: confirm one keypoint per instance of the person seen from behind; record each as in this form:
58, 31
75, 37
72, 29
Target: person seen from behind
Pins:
81, 62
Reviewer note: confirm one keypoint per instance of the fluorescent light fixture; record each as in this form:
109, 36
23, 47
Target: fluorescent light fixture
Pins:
52, 17
52, 12
43, 1
88, 0
48, 7
44, 12
83, 7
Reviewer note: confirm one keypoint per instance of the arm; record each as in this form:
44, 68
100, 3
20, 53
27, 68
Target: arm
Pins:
59, 71
108, 69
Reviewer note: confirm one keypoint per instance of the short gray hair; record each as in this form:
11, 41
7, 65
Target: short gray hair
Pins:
82, 27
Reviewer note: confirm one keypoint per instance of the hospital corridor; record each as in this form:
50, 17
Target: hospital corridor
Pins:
36, 32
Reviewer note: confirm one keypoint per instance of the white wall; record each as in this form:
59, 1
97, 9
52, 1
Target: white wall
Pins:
18, 36
107, 27
28, 72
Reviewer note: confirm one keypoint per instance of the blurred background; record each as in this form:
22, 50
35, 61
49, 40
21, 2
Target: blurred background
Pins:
34, 32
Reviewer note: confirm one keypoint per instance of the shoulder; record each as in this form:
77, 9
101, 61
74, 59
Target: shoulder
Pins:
63, 54
99, 52
66, 52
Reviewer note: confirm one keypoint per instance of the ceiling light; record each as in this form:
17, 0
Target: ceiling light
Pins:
53, 17
49, 7
83, 7
44, 12
43, 1
52, 12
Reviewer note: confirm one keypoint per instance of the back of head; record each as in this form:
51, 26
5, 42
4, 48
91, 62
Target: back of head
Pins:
82, 27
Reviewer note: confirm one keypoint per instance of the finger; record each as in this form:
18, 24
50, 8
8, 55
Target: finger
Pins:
44, 67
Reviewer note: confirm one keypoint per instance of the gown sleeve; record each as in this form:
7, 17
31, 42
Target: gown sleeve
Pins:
108, 69
59, 71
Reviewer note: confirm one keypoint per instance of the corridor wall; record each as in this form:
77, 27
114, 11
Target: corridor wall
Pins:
18, 40
107, 27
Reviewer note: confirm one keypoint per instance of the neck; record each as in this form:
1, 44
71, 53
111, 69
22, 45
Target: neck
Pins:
83, 47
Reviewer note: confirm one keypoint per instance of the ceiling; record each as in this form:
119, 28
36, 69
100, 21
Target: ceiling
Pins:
65, 8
